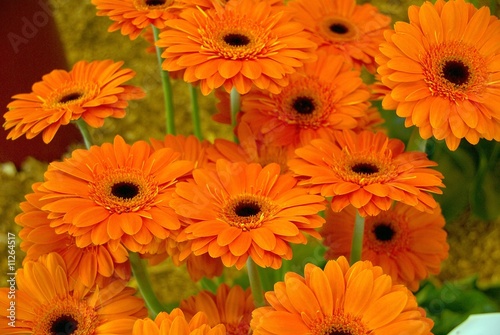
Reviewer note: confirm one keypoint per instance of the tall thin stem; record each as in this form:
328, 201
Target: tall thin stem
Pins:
195, 111
416, 143
255, 283
235, 108
84, 130
144, 284
167, 88
357, 238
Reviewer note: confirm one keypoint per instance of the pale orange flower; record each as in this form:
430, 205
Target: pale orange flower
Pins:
344, 27
406, 243
236, 46
230, 306
443, 70
48, 302
189, 147
91, 91
359, 300
175, 323
115, 193
242, 210
369, 171
326, 96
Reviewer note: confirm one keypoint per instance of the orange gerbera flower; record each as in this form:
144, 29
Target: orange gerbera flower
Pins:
190, 148
132, 16
236, 46
345, 28
89, 265
408, 244
175, 323
244, 210
115, 193
328, 96
47, 302
231, 307
340, 300
443, 70
92, 91
367, 170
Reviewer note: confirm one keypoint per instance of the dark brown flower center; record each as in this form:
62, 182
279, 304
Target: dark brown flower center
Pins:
365, 168
246, 209
456, 72
383, 232
336, 332
339, 28
70, 97
64, 325
125, 190
304, 105
155, 2
236, 40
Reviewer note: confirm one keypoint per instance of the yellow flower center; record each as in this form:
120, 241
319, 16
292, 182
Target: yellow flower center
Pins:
455, 70
247, 211
338, 29
147, 5
124, 190
340, 324
364, 168
71, 94
306, 103
233, 36
386, 233
64, 317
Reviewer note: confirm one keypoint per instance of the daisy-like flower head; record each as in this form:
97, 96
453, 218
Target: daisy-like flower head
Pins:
133, 16
345, 28
231, 307
115, 193
175, 323
408, 244
443, 70
241, 210
89, 265
236, 46
91, 91
325, 97
48, 303
356, 300
367, 170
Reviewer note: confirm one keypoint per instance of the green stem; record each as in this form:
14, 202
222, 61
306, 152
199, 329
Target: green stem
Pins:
493, 7
144, 284
167, 88
416, 143
357, 238
195, 111
255, 283
235, 108
84, 130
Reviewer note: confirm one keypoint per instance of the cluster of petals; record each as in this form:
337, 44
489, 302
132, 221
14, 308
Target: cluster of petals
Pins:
367, 170
90, 91
443, 71
238, 46
341, 299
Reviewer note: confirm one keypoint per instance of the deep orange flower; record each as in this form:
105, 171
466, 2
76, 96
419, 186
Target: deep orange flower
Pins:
231, 307
325, 97
345, 28
236, 46
116, 193
175, 323
242, 210
91, 91
358, 300
443, 70
89, 265
367, 170
407, 244
47, 302
133, 16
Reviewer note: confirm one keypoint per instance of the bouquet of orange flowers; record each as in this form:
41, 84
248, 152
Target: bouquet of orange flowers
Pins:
309, 91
